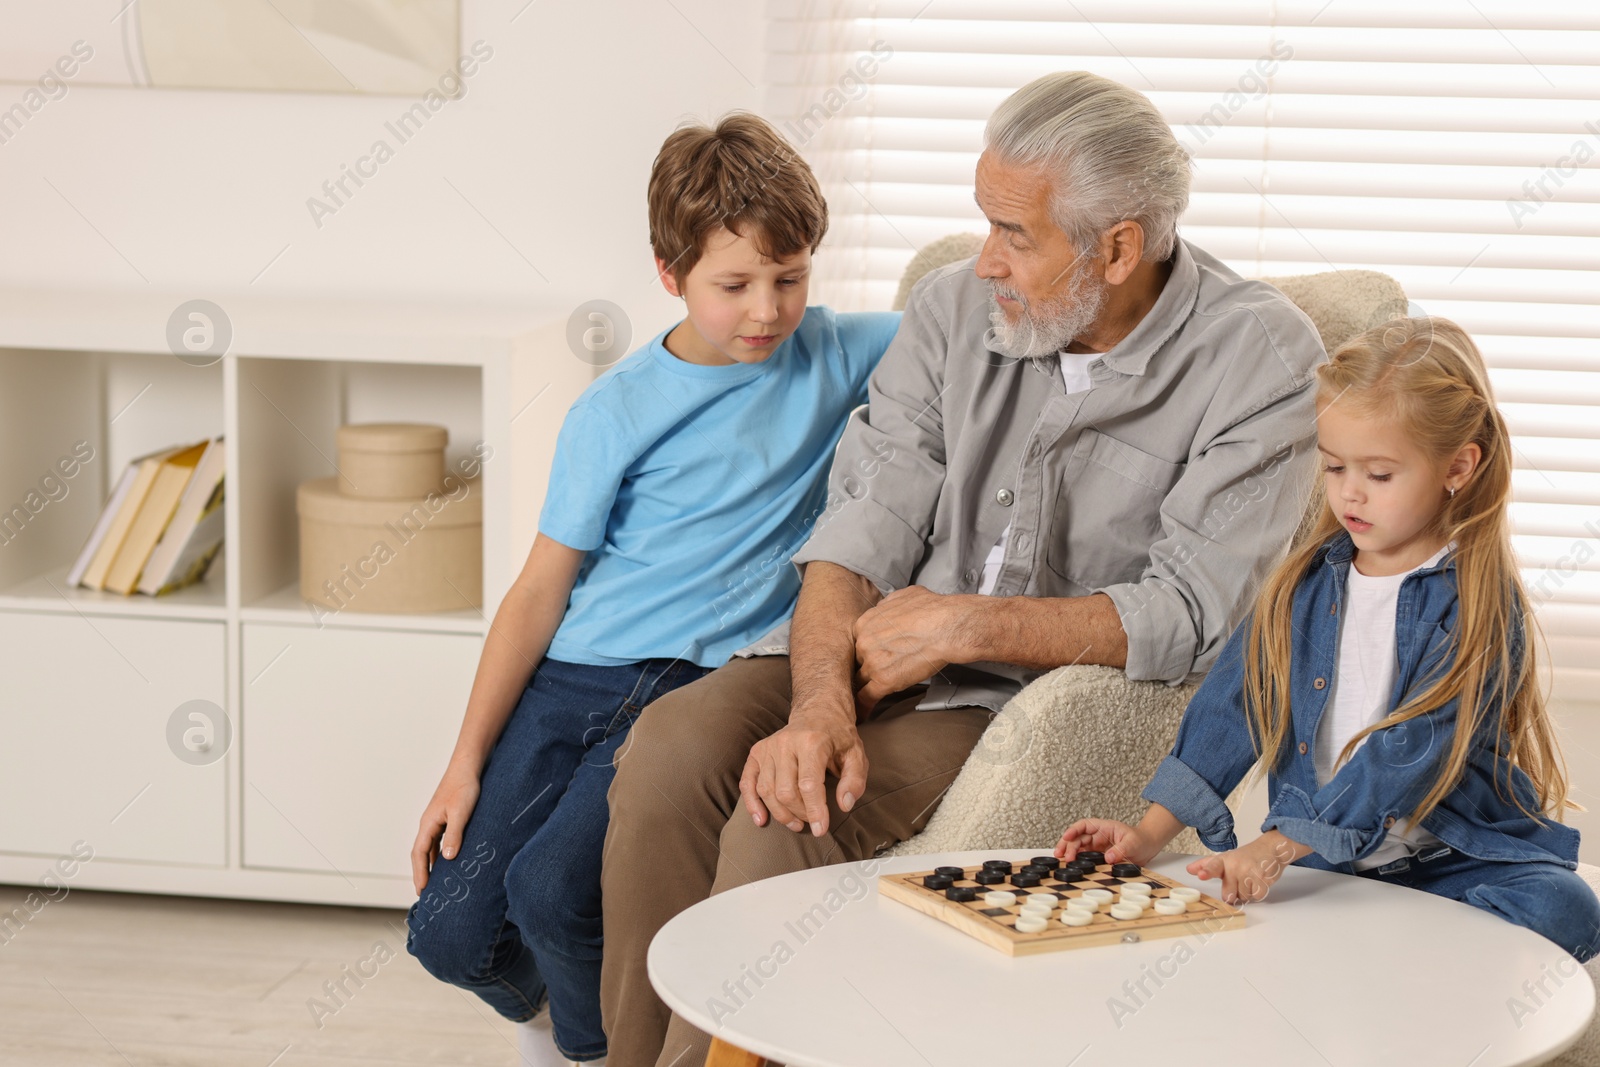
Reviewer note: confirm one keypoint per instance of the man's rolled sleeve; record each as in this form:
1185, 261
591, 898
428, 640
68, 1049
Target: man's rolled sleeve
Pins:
875, 546
890, 464
1225, 524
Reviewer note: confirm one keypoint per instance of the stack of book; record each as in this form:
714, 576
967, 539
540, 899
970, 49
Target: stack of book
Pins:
162, 526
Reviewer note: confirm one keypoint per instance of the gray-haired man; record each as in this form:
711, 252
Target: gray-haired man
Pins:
1087, 445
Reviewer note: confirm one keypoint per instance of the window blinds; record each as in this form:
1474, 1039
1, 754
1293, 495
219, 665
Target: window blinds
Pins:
1454, 146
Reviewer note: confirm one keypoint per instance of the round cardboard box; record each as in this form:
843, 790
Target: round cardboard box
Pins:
424, 554
391, 460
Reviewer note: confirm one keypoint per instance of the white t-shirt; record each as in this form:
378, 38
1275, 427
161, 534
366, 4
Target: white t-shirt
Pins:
1075, 376
1361, 691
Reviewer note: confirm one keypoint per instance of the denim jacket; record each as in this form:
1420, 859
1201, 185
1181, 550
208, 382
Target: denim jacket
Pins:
1348, 818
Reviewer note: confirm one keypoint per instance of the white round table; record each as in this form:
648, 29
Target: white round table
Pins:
815, 969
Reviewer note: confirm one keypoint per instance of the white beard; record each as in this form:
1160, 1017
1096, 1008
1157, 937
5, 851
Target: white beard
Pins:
1045, 328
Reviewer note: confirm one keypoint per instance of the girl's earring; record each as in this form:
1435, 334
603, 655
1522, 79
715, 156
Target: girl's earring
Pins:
1452, 491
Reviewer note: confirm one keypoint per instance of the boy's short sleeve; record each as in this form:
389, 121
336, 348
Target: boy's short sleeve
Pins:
864, 336
592, 455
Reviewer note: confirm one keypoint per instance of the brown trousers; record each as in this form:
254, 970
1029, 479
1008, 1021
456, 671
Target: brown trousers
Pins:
679, 831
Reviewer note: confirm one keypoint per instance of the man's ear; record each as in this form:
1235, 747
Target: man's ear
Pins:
668, 282
1122, 246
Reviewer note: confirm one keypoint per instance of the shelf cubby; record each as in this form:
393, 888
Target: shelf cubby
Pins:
341, 722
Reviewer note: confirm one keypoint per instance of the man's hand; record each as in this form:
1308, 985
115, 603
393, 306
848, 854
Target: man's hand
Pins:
906, 637
1249, 871
785, 773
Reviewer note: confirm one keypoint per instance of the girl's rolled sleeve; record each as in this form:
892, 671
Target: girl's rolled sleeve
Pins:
1213, 751
1178, 788
1295, 816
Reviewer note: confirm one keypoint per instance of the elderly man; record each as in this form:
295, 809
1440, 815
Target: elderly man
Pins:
1061, 463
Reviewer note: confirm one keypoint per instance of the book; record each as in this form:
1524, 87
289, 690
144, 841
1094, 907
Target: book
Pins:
201, 548
194, 534
102, 526
155, 511
144, 470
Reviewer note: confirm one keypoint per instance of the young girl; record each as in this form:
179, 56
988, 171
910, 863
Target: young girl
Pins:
1387, 668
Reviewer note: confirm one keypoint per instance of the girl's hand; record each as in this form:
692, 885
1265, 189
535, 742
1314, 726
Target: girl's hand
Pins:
1249, 872
1120, 842
443, 822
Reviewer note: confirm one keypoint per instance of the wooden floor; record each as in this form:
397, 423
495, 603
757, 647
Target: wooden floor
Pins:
128, 980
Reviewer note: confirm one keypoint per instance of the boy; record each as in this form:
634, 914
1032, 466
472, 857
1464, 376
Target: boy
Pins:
680, 475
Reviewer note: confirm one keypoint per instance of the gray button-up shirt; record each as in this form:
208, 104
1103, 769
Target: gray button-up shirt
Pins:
1172, 486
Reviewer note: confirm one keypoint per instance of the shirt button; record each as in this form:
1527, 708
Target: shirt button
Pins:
1021, 542
1004, 498
1319, 683
971, 577
1302, 748
1388, 822
1333, 609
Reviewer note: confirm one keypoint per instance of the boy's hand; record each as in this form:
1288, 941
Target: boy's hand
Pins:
785, 774
1120, 842
448, 813
1249, 871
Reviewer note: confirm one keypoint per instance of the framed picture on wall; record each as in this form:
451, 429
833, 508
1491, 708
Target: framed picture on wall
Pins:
390, 47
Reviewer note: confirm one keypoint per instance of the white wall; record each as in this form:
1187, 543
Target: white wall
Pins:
200, 190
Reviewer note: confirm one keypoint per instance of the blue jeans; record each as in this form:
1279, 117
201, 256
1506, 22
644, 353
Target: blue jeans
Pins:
1547, 898
515, 917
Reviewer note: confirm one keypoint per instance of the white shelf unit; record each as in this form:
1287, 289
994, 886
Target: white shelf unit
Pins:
341, 723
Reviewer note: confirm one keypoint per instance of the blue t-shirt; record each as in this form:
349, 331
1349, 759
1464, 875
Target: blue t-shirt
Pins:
691, 486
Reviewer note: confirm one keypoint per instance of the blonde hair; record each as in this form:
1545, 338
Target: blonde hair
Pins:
1428, 376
